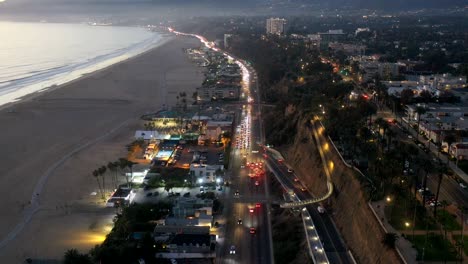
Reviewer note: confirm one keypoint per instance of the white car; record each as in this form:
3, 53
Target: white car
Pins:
462, 185
232, 250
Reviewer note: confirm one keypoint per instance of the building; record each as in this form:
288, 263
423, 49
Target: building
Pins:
275, 26
384, 69
219, 92
437, 111
347, 49
359, 30
443, 81
205, 173
120, 196
227, 39
330, 36
214, 129
192, 207
459, 151
313, 42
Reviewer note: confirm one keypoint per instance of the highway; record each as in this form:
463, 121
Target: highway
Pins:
329, 235
244, 193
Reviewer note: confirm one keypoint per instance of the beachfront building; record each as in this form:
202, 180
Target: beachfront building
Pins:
219, 92
204, 173
275, 26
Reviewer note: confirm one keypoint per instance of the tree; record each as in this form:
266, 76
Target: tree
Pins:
450, 139
169, 186
112, 167
390, 134
96, 176
427, 167
390, 239
420, 110
102, 172
441, 172
426, 96
72, 256
406, 96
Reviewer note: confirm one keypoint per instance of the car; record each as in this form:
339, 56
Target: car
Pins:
251, 210
290, 170
252, 230
410, 137
303, 189
296, 179
239, 221
149, 194
462, 185
236, 193
257, 183
232, 250
257, 205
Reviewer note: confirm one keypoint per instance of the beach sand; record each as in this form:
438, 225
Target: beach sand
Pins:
59, 137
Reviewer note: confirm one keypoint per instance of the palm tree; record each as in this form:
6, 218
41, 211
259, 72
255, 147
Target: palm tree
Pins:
420, 110
122, 163
112, 166
390, 134
102, 172
450, 139
72, 256
96, 175
427, 167
441, 172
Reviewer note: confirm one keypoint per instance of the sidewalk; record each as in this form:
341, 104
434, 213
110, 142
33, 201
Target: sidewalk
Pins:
431, 146
404, 247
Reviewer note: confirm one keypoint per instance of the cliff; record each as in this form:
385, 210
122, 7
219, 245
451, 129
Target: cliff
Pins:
348, 205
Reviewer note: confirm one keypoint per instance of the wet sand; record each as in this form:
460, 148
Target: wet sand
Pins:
51, 143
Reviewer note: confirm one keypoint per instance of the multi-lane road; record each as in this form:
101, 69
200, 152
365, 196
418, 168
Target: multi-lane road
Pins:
332, 242
450, 190
246, 204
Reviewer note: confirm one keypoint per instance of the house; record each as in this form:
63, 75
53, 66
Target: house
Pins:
459, 151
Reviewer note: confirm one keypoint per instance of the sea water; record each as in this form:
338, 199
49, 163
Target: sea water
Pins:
36, 56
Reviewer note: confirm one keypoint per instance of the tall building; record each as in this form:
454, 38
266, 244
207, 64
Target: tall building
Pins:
275, 26
227, 39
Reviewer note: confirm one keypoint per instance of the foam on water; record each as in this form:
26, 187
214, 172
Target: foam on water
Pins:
52, 73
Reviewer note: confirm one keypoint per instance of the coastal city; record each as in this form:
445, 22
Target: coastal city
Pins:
279, 132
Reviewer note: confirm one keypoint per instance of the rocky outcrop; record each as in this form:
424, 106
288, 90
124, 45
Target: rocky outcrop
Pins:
348, 205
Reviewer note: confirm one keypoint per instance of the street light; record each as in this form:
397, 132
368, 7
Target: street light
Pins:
407, 224
200, 180
389, 199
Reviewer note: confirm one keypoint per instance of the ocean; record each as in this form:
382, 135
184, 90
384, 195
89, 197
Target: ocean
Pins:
36, 56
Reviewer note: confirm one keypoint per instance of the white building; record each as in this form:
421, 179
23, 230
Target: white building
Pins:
227, 39
275, 26
205, 173
444, 81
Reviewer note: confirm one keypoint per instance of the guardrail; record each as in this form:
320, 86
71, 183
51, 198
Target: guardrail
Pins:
316, 250
314, 243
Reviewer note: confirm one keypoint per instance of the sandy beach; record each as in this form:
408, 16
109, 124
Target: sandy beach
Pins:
52, 142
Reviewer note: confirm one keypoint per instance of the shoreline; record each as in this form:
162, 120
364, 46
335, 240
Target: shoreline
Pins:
57, 136
37, 92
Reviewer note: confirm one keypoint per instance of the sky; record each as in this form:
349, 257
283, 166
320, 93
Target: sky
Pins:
183, 8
